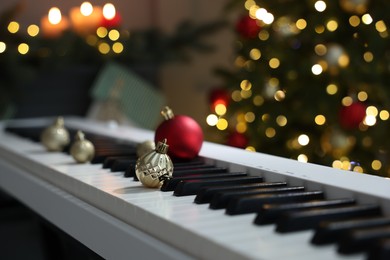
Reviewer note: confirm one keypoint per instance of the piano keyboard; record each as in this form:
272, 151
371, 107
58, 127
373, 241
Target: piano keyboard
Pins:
228, 204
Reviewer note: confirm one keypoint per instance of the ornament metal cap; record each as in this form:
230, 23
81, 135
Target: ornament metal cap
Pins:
80, 136
162, 147
59, 122
167, 113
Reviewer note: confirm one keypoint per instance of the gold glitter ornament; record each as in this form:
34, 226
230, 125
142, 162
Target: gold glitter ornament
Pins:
154, 167
55, 137
145, 147
82, 150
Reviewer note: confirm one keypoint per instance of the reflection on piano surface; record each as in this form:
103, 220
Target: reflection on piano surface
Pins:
226, 204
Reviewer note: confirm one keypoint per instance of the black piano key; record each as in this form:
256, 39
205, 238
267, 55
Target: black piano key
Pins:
170, 184
221, 199
185, 188
302, 220
186, 171
206, 194
101, 156
130, 172
122, 164
331, 232
251, 204
109, 161
362, 239
269, 213
380, 250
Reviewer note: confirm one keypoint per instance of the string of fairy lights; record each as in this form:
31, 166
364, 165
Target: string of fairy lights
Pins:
106, 39
328, 58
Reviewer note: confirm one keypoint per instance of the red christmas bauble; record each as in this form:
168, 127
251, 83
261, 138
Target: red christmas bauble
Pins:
238, 140
184, 135
351, 116
219, 96
247, 27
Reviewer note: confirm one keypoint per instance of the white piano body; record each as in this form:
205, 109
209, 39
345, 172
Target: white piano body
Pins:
118, 218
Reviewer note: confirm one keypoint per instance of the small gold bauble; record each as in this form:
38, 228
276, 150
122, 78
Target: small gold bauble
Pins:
154, 167
145, 147
55, 137
82, 149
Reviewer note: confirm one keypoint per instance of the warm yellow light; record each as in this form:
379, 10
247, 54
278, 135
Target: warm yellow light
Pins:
380, 26
320, 119
104, 48
273, 82
376, 165
236, 96
102, 32
281, 120
246, 93
222, 124
320, 6
320, 49
316, 69
261, 13
384, 115
255, 54
279, 95
114, 35
302, 158
13, 27
270, 132
268, 18
274, 63
372, 111
347, 101
331, 89
263, 35
212, 120
109, 11
241, 127
303, 140
332, 25
362, 96
343, 60
368, 56
258, 100
33, 30
337, 164
319, 29
220, 109
54, 15
301, 24
23, 48
367, 19
354, 21
245, 85
250, 149
117, 47
369, 120
249, 3
91, 40
3, 47
250, 117
358, 169
86, 8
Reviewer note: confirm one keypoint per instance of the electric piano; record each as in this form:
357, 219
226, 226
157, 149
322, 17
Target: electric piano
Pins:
269, 208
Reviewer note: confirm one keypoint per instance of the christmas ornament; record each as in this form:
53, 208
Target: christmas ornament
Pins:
184, 134
219, 96
351, 116
237, 139
154, 167
247, 27
145, 147
82, 149
55, 137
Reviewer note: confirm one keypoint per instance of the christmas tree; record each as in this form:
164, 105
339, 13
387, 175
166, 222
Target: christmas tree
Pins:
311, 82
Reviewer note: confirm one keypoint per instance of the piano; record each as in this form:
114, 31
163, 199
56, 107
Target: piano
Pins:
345, 216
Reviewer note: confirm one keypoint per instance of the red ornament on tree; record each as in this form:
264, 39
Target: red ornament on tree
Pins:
351, 116
219, 96
247, 27
184, 135
238, 140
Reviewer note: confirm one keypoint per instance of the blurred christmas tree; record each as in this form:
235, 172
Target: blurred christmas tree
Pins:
311, 82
